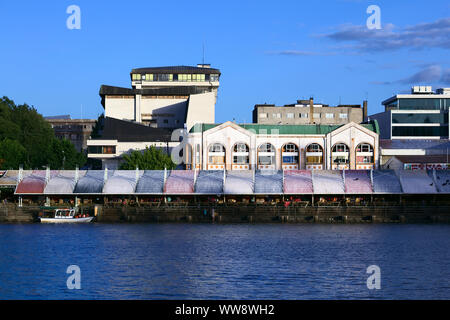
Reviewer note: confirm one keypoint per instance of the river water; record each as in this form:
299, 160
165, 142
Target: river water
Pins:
235, 261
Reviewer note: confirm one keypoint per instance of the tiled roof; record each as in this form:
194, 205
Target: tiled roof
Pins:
286, 128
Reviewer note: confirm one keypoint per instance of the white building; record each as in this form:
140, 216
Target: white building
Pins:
160, 100
254, 146
423, 114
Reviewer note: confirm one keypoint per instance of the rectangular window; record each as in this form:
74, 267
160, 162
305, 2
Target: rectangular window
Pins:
240, 159
303, 115
263, 115
329, 115
290, 159
316, 115
214, 77
290, 115
343, 115
102, 149
441, 131
165, 121
276, 115
136, 77
420, 118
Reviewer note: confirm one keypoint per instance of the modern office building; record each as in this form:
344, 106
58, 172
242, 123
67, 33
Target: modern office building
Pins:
160, 100
423, 114
309, 112
234, 146
77, 131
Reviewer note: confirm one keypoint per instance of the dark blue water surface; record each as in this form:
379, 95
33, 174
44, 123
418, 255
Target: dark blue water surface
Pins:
196, 261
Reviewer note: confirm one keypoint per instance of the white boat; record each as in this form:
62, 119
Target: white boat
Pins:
67, 216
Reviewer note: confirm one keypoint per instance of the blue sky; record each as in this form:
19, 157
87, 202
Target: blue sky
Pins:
268, 51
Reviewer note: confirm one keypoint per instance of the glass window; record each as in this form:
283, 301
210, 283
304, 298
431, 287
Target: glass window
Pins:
314, 160
441, 131
343, 115
289, 115
329, 115
240, 147
240, 159
263, 115
314, 147
423, 104
136, 76
340, 159
276, 115
340, 147
216, 147
216, 160
290, 159
364, 159
316, 115
266, 147
420, 118
290, 147
364, 147
214, 77
303, 115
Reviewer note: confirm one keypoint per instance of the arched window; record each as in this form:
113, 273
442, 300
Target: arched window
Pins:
266, 154
240, 153
216, 154
314, 154
340, 153
289, 154
364, 153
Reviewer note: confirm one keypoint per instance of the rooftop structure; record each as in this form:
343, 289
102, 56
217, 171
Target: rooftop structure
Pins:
309, 112
160, 100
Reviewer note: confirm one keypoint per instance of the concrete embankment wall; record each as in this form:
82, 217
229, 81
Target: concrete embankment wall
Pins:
244, 214
247, 214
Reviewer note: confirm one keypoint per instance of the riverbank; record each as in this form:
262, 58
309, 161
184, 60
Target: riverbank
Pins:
11, 213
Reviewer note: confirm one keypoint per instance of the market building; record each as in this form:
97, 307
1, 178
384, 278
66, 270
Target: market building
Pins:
234, 146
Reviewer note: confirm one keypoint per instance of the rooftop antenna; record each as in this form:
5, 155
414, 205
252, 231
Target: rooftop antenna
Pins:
203, 57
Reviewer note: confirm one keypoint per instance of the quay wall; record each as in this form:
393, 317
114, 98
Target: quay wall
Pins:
246, 214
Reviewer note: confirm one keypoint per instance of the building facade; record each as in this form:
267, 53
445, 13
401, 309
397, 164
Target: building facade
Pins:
78, 131
275, 147
309, 112
423, 114
160, 100
411, 154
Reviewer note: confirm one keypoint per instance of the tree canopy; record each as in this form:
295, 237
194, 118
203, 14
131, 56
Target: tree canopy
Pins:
27, 139
148, 159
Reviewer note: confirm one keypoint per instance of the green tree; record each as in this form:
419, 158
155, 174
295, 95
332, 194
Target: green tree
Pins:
24, 125
12, 154
149, 159
63, 155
